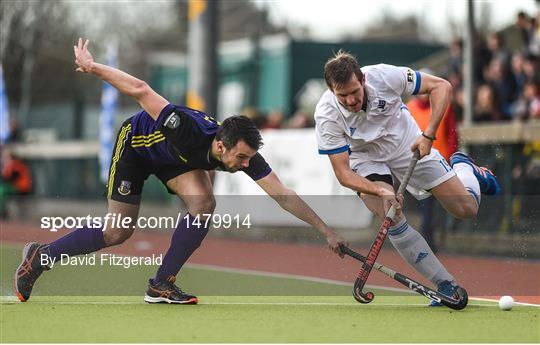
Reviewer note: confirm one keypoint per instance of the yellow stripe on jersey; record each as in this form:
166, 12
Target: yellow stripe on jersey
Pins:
147, 140
148, 143
142, 136
117, 153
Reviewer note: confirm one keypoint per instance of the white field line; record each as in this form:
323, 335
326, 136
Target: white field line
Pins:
323, 280
13, 300
497, 301
289, 276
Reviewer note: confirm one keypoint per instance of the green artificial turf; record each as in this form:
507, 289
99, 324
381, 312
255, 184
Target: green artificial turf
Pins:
272, 317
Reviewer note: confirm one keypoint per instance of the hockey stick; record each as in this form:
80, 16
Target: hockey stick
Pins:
358, 294
456, 304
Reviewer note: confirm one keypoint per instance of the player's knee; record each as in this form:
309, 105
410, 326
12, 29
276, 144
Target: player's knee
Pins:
205, 205
115, 236
470, 210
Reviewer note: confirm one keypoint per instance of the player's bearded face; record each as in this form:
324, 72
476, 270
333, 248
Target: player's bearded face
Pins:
237, 157
351, 94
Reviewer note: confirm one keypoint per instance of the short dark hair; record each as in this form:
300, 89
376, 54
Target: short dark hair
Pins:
236, 128
339, 69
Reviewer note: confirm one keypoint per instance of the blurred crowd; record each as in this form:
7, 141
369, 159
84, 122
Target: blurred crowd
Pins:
507, 80
276, 119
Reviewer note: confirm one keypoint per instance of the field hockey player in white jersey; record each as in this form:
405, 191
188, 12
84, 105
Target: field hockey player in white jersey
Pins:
370, 136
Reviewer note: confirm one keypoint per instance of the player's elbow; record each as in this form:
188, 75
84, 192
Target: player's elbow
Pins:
446, 87
140, 89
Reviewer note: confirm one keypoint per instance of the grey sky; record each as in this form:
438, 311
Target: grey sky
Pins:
330, 19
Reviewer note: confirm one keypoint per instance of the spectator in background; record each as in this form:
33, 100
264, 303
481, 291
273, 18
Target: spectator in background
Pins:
14, 131
458, 101
455, 77
530, 34
487, 107
530, 66
300, 119
446, 135
254, 115
503, 84
455, 66
16, 179
525, 27
534, 44
497, 47
526, 175
482, 57
16, 173
274, 120
532, 94
518, 74
531, 100
446, 143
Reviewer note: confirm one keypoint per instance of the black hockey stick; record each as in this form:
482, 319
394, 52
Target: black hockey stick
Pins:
363, 274
456, 302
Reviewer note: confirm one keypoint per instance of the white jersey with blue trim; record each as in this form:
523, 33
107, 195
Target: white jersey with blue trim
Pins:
384, 130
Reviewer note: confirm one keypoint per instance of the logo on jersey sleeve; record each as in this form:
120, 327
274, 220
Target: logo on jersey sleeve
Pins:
381, 104
352, 129
410, 75
173, 121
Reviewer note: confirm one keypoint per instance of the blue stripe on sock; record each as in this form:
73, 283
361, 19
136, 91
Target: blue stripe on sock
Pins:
399, 230
475, 196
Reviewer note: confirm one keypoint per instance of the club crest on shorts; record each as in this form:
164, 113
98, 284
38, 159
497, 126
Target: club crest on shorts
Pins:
172, 121
125, 187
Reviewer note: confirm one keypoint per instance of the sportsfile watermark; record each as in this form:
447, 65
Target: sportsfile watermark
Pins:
117, 220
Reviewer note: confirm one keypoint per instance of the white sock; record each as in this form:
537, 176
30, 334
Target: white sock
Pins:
466, 174
414, 249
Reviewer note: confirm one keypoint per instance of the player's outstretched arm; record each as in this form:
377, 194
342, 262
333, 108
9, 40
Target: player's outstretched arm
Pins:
292, 203
127, 84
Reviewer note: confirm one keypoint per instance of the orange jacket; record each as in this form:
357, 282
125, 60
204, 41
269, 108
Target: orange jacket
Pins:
447, 141
17, 173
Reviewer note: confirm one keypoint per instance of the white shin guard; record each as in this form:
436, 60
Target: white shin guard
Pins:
414, 249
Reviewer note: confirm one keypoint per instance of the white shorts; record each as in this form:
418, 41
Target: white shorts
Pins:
430, 171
